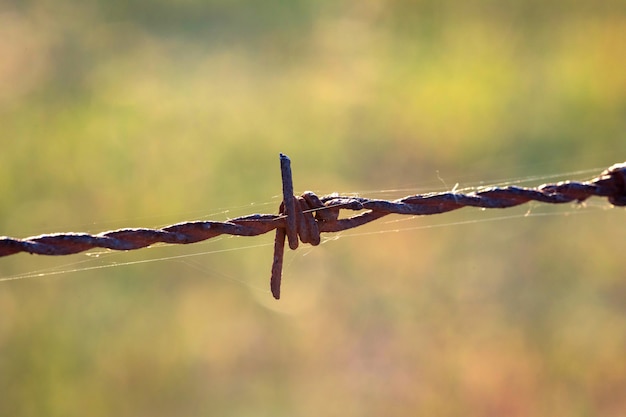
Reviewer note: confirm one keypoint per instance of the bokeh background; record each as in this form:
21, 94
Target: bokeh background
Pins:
146, 113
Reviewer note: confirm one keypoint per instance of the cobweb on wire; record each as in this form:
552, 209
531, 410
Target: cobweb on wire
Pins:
107, 259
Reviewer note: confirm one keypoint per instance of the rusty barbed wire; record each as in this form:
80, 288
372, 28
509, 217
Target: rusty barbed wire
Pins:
304, 218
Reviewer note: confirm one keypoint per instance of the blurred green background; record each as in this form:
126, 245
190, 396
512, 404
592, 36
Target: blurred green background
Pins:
145, 113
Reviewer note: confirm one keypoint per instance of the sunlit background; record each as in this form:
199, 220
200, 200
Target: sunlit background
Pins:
146, 113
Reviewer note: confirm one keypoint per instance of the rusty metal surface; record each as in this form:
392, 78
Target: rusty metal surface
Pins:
305, 217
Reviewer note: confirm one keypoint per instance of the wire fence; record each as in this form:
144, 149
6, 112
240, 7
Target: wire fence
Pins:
304, 218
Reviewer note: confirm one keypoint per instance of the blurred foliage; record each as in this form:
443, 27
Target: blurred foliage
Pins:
144, 113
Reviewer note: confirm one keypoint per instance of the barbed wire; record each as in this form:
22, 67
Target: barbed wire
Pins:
304, 218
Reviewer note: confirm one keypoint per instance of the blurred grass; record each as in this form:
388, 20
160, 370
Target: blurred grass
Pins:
127, 114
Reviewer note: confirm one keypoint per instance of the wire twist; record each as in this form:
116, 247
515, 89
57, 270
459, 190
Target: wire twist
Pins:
304, 218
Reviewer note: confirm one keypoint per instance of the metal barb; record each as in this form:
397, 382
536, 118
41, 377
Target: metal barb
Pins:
304, 218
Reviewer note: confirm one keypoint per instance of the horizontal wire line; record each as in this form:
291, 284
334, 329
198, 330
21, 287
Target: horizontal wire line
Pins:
304, 218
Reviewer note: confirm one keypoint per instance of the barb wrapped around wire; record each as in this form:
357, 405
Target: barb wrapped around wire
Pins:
305, 217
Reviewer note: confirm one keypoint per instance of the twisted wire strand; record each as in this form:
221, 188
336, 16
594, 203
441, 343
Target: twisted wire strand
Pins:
304, 218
